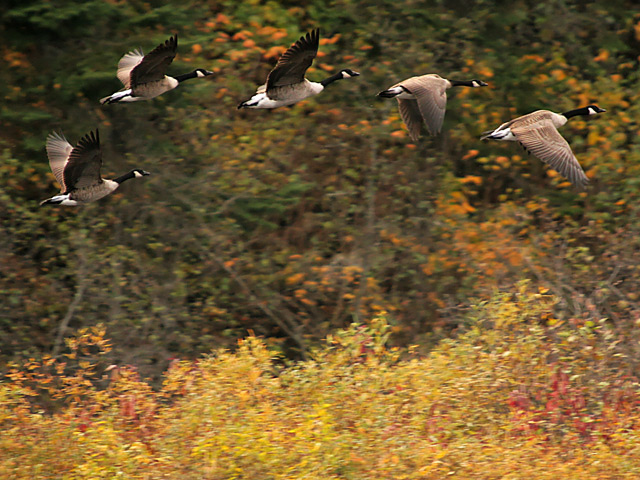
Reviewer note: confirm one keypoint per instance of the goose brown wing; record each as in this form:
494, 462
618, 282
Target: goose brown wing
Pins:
293, 63
431, 96
127, 63
155, 63
58, 151
411, 117
545, 142
83, 168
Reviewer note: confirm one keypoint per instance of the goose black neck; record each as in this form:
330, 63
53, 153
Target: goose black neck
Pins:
576, 112
461, 83
186, 76
125, 177
331, 79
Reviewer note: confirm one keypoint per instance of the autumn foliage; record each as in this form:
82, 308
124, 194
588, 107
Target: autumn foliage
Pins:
516, 390
376, 308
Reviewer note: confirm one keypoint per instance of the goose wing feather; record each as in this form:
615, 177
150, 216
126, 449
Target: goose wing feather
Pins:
545, 142
85, 161
154, 64
293, 63
431, 97
58, 151
410, 113
127, 63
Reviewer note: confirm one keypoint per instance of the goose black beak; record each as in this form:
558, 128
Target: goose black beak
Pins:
207, 73
145, 173
483, 84
386, 94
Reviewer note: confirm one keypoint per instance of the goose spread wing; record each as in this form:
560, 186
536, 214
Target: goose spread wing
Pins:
411, 117
127, 63
293, 63
431, 96
546, 143
153, 66
83, 168
58, 151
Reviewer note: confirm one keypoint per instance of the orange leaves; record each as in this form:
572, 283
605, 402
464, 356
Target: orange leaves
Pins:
602, 56
331, 40
636, 29
476, 180
242, 35
534, 58
295, 278
470, 154
222, 19
274, 52
196, 49
15, 59
460, 201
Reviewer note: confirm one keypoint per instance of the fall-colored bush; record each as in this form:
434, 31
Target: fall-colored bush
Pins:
516, 391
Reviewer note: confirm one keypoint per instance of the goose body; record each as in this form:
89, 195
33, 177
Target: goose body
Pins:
77, 170
423, 99
286, 83
538, 133
143, 76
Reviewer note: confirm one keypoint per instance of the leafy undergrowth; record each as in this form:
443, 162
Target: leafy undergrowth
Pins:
517, 393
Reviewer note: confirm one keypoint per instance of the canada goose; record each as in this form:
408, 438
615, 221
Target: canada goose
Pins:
77, 170
143, 76
537, 133
424, 98
286, 84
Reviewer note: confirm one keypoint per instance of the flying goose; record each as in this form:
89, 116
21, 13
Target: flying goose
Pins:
143, 76
286, 84
537, 133
77, 170
424, 98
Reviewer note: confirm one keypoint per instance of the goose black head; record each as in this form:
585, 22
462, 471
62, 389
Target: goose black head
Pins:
348, 73
594, 109
201, 72
137, 172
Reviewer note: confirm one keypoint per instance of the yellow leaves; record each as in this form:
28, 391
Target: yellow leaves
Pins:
593, 138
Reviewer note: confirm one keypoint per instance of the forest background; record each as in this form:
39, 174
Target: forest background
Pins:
293, 224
